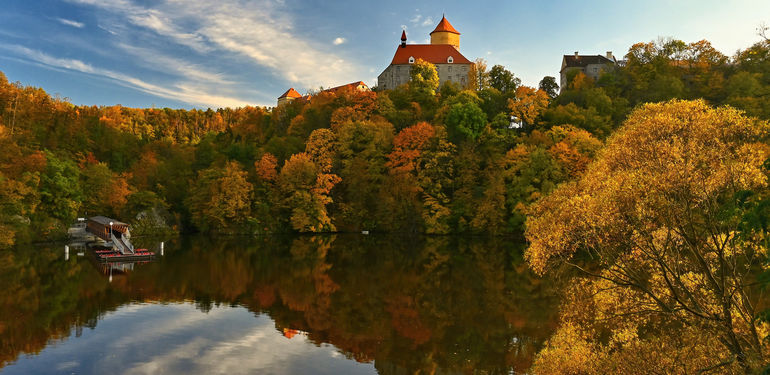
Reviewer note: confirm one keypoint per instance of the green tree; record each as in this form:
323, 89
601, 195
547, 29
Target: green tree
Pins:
465, 120
549, 86
503, 80
60, 191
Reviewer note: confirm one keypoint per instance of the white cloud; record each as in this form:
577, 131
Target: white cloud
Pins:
107, 30
261, 31
161, 62
339, 41
428, 22
181, 91
72, 23
416, 19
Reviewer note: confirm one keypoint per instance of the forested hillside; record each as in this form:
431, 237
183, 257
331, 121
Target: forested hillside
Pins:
420, 158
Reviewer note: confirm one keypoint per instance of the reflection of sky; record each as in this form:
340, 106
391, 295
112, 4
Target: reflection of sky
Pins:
180, 339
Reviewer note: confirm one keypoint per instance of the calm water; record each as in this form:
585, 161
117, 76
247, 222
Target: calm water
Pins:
278, 305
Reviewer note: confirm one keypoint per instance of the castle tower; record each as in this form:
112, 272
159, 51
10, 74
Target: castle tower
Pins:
403, 38
445, 34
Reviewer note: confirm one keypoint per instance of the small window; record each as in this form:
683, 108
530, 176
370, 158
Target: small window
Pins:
411, 60
450, 60
449, 68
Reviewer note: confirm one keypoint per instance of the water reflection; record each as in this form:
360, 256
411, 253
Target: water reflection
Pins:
438, 304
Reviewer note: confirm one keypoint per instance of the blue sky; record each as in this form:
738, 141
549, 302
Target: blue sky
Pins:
194, 53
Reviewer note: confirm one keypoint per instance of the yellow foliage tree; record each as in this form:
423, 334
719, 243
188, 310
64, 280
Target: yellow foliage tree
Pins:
306, 188
656, 210
528, 104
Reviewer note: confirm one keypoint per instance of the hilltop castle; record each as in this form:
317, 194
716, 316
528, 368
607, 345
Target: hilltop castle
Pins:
443, 52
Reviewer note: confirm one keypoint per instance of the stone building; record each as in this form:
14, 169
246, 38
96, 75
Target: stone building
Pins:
591, 65
290, 95
443, 52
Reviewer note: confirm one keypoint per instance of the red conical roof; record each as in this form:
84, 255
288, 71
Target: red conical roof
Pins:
290, 93
445, 26
403, 35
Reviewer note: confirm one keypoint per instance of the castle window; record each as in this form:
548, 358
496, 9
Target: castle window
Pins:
449, 68
450, 60
411, 60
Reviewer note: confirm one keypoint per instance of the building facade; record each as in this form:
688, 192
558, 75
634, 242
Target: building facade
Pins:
443, 52
591, 65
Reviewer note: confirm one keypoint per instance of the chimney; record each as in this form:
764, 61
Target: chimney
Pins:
576, 53
609, 55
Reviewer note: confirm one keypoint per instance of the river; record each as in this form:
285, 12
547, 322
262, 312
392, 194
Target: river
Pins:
332, 304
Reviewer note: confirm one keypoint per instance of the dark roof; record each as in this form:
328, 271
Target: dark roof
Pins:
105, 220
445, 26
432, 53
581, 61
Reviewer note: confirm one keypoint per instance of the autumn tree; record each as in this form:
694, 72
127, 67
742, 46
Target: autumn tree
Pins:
305, 188
423, 80
657, 211
478, 77
221, 198
528, 104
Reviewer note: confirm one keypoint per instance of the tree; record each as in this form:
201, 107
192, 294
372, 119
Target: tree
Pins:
60, 191
503, 80
466, 120
423, 79
306, 188
478, 78
528, 104
658, 212
549, 86
221, 198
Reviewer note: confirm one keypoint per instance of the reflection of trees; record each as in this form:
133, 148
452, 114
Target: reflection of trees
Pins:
431, 304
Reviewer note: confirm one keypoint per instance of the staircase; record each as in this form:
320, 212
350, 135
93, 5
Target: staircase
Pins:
121, 243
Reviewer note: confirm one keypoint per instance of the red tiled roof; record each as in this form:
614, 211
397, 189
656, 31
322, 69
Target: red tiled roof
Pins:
352, 86
444, 25
432, 53
290, 93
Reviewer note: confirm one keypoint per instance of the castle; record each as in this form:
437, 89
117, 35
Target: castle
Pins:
443, 52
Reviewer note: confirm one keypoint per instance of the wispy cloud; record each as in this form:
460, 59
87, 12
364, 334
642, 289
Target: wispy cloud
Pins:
261, 31
181, 91
416, 19
72, 23
428, 22
339, 41
164, 63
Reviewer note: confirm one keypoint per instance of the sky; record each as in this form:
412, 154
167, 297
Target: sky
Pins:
233, 53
